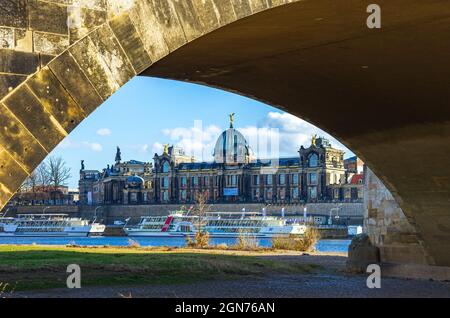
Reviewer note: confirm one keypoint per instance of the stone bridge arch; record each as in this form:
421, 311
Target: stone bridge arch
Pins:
383, 92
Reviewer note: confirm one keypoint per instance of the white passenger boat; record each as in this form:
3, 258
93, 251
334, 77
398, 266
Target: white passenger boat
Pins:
55, 225
217, 224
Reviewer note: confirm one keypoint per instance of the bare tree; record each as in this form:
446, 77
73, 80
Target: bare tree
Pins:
200, 210
58, 173
29, 186
35, 183
43, 176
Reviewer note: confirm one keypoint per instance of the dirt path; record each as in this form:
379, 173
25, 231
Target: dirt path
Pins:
279, 286
331, 283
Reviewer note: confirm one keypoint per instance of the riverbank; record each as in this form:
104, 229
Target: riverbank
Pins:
34, 267
181, 272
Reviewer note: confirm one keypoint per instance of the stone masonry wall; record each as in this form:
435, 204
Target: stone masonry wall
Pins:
32, 32
387, 226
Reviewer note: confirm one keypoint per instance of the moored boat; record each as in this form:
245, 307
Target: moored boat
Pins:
54, 225
217, 224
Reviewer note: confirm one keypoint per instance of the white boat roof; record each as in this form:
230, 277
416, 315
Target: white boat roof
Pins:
236, 213
42, 215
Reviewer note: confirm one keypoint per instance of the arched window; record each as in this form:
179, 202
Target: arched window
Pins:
165, 167
313, 160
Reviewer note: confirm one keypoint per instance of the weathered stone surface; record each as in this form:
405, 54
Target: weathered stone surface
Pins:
13, 13
11, 175
45, 59
143, 18
388, 227
225, 11
258, 5
189, 19
55, 99
103, 61
27, 108
23, 40
19, 142
206, 12
47, 17
130, 41
6, 38
50, 43
361, 253
241, 8
83, 21
8, 82
167, 18
18, 62
75, 82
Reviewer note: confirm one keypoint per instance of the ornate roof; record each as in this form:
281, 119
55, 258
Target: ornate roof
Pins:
231, 147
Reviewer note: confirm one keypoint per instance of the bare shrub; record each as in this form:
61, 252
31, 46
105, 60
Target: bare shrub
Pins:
304, 243
201, 238
133, 243
246, 241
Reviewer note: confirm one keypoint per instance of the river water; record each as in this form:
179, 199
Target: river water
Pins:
322, 245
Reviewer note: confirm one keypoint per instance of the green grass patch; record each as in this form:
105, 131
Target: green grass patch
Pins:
43, 267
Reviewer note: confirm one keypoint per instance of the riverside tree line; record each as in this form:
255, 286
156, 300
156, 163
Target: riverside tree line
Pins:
45, 184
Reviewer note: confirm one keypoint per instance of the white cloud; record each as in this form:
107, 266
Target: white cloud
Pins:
94, 146
157, 147
139, 148
104, 132
286, 132
69, 144
197, 141
278, 134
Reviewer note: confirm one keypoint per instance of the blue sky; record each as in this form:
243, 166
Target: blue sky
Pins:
148, 112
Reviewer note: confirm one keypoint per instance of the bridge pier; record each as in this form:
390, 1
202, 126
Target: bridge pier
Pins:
393, 239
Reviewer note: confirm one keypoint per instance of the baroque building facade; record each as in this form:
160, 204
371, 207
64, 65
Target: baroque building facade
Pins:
318, 174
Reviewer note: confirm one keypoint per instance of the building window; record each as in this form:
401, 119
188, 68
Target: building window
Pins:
336, 194
269, 179
206, 181
313, 178
183, 194
256, 194
166, 195
165, 182
313, 160
313, 193
255, 179
282, 179
166, 166
295, 193
195, 181
295, 179
347, 194
232, 180
183, 181
269, 194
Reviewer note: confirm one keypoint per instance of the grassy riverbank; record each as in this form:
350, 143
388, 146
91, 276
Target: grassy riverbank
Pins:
43, 267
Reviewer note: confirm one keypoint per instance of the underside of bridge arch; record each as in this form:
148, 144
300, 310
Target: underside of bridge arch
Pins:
383, 92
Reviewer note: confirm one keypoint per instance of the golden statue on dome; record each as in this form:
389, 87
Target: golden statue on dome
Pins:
231, 120
313, 140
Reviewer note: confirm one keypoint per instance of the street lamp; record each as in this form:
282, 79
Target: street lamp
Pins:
330, 219
304, 214
95, 213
